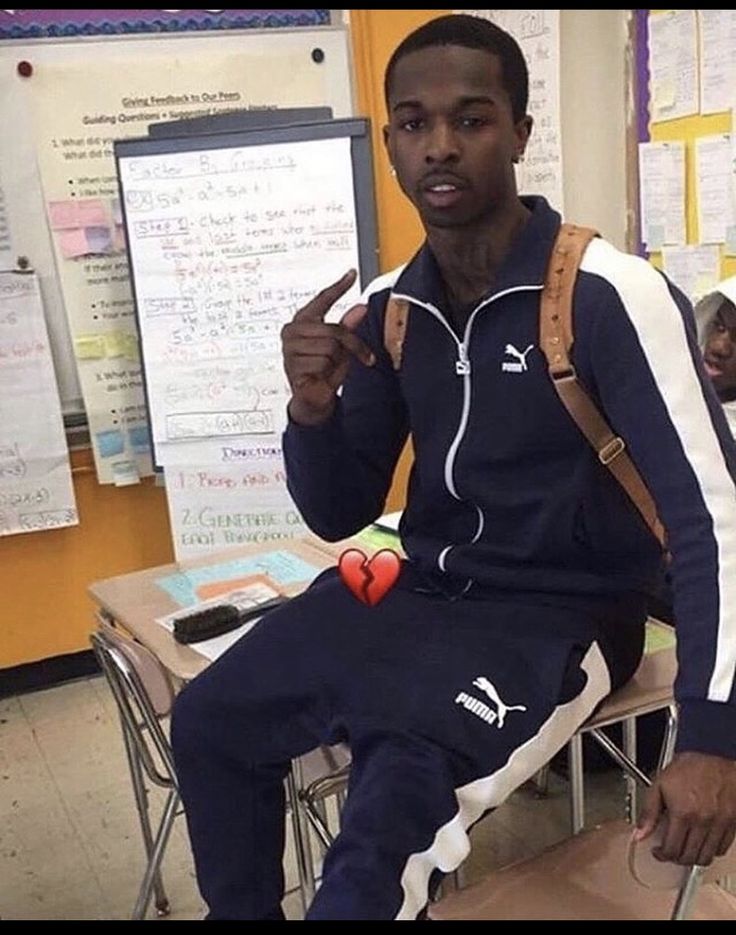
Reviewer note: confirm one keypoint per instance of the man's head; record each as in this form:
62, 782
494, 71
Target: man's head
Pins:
456, 93
719, 350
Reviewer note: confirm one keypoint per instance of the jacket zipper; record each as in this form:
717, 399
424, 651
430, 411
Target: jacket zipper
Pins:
462, 369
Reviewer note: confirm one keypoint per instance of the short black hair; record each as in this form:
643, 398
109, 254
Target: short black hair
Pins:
471, 32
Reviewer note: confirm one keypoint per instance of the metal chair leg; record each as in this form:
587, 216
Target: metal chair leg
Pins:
318, 824
141, 799
541, 782
302, 846
159, 846
629, 746
670, 735
687, 894
577, 789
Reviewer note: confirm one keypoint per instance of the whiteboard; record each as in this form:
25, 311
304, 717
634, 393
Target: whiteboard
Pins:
24, 201
229, 234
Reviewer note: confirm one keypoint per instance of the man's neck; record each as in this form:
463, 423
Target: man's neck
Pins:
470, 257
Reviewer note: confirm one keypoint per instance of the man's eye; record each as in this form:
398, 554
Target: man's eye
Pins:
472, 123
412, 125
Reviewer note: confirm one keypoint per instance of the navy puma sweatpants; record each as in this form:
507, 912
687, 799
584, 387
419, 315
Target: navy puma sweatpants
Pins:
448, 706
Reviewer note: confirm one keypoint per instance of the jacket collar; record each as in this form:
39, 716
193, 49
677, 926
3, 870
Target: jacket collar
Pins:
525, 265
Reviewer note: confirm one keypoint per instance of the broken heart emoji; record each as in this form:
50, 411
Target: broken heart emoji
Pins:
369, 580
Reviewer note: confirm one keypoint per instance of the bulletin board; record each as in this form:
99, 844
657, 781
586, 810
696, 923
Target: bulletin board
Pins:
318, 75
663, 74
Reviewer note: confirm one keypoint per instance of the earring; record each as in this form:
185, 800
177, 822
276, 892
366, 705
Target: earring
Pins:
393, 171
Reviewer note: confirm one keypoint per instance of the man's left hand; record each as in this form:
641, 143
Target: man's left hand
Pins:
695, 796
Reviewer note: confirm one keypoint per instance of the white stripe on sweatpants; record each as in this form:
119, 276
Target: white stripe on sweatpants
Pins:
451, 844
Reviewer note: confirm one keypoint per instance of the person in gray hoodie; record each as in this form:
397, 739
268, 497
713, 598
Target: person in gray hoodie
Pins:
715, 316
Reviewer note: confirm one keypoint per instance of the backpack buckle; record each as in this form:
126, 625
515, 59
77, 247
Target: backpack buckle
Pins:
564, 376
611, 450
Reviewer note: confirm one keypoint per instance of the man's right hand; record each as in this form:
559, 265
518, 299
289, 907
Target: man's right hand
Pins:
317, 355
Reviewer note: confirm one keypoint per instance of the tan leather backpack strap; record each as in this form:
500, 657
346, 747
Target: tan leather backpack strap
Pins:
556, 340
394, 328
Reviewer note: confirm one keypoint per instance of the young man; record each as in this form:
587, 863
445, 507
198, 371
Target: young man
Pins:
523, 600
715, 315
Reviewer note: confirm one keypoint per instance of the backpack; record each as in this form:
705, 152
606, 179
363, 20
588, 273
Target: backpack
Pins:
555, 342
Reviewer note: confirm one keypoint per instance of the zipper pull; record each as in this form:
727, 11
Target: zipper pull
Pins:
462, 365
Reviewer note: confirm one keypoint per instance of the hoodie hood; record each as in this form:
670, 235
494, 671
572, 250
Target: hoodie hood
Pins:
705, 309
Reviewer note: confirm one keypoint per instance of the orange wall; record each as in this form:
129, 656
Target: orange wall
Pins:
44, 576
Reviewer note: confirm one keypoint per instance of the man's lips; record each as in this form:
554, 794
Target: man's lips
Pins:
443, 191
442, 182
711, 369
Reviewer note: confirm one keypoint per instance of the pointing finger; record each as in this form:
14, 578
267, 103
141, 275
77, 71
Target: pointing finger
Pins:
317, 308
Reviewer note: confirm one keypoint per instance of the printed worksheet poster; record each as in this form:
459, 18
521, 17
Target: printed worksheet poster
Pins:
6, 240
673, 64
36, 490
212, 508
79, 110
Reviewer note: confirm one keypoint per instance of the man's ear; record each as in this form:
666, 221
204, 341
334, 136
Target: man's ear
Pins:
387, 142
523, 130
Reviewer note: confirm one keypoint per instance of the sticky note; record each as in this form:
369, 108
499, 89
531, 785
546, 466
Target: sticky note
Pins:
125, 473
110, 443
73, 243
63, 214
139, 439
115, 345
665, 95
90, 346
130, 345
655, 236
99, 239
91, 212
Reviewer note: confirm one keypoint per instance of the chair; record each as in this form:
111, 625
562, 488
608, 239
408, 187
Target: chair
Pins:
650, 689
145, 695
597, 874
313, 780
586, 876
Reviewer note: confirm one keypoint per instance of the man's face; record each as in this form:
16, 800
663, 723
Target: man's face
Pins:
451, 135
720, 349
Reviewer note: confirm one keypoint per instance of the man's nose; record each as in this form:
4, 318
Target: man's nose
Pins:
721, 346
443, 144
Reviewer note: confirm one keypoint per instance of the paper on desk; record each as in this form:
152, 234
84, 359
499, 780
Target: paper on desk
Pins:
374, 539
658, 637
389, 521
243, 598
282, 566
